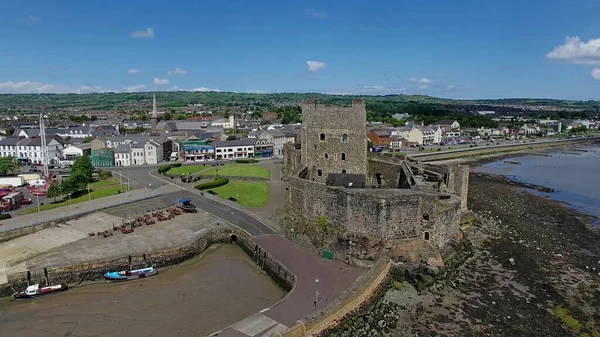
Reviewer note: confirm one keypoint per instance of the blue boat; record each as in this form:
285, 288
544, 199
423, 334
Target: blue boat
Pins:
127, 275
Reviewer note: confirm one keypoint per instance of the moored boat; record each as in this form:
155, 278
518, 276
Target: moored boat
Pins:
37, 291
126, 275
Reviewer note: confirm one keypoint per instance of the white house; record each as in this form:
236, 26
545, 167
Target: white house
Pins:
137, 154
529, 130
232, 149
8, 147
411, 134
30, 149
123, 155
226, 123
275, 137
154, 152
72, 152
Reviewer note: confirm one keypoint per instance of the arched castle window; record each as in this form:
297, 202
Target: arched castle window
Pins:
343, 171
343, 156
345, 138
326, 156
425, 216
426, 236
319, 173
322, 136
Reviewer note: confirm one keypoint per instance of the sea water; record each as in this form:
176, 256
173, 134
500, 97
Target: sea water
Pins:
573, 173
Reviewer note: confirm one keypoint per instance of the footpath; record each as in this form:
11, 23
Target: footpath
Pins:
56, 214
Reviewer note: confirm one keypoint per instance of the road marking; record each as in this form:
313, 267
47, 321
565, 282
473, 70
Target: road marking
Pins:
265, 309
279, 328
254, 324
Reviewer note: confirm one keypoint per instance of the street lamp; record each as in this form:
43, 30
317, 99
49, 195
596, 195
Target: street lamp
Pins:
316, 293
292, 230
349, 252
70, 202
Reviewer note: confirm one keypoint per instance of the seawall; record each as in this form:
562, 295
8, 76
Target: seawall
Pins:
94, 270
495, 150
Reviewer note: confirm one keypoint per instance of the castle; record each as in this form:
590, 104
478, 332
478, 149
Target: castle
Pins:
358, 204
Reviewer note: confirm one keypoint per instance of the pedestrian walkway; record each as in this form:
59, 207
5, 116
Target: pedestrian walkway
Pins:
56, 214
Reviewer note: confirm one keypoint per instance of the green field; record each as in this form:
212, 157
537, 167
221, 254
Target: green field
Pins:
248, 193
242, 170
188, 169
99, 189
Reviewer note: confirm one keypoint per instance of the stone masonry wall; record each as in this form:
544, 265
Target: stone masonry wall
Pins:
96, 269
291, 159
382, 215
458, 183
345, 140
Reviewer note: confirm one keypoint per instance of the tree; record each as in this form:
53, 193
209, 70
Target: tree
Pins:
9, 131
231, 137
8, 164
66, 187
54, 190
93, 118
88, 139
81, 175
167, 116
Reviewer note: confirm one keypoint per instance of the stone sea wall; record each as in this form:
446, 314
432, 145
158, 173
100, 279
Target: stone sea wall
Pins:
366, 289
95, 270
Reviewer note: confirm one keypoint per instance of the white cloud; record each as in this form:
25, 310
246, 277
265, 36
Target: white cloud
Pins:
149, 32
133, 71
32, 87
160, 81
177, 71
423, 82
315, 65
596, 74
576, 51
134, 88
32, 18
205, 89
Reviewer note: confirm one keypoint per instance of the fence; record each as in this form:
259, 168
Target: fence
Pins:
64, 216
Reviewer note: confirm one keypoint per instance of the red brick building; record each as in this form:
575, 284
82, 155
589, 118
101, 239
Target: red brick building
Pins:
380, 138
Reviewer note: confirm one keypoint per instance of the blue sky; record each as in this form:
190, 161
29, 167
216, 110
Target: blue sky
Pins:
476, 49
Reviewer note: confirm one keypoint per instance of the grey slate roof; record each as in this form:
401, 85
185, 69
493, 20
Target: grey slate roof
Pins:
238, 142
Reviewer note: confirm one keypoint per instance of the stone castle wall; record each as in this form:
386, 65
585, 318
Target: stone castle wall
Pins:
388, 218
334, 139
458, 183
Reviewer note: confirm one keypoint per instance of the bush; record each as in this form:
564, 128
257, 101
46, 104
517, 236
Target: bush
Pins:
246, 161
211, 192
176, 165
232, 199
164, 168
5, 216
105, 175
212, 184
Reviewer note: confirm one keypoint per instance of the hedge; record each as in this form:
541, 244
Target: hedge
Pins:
164, 168
246, 161
5, 216
212, 184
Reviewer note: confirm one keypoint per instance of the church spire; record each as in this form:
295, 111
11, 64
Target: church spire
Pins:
154, 112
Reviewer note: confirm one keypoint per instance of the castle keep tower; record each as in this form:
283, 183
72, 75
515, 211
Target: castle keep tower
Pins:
334, 139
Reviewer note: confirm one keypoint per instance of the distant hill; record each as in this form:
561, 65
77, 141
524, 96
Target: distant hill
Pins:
182, 98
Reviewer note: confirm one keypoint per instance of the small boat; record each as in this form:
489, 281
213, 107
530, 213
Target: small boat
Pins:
35, 291
127, 275
187, 206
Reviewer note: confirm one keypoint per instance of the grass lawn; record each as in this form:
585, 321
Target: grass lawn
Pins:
248, 193
186, 169
242, 170
100, 189
111, 181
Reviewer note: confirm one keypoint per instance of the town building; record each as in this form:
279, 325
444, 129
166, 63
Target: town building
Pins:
380, 138
274, 137
196, 150
225, 123
234, 149
123, 155
72, 152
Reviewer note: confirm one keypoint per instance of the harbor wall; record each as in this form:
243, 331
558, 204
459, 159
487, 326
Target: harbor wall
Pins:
95, 270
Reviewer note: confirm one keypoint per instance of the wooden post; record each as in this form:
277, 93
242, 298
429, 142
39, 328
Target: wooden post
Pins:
46, 276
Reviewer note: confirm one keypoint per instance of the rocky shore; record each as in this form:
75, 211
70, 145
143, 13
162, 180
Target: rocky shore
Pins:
530, 266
